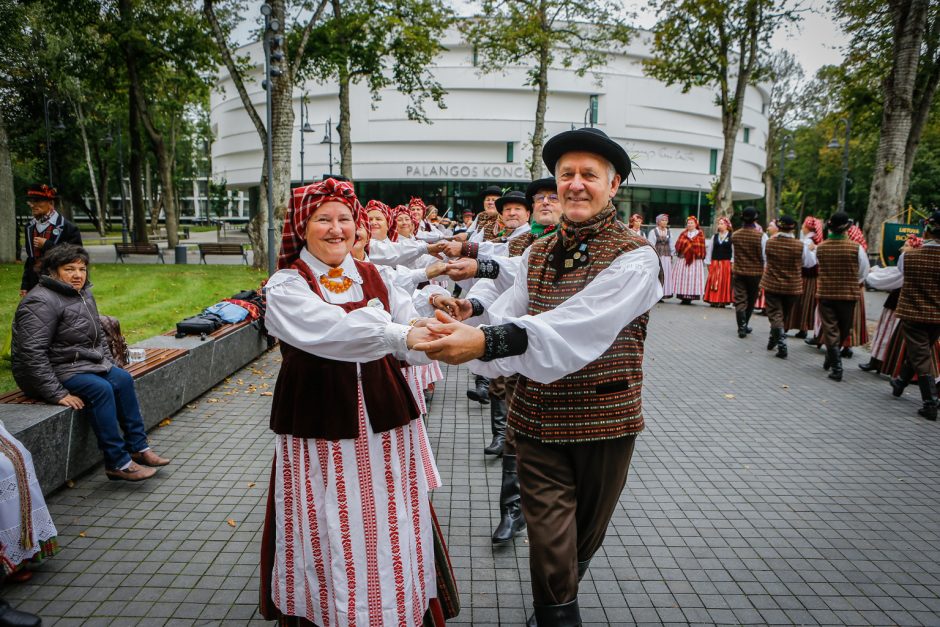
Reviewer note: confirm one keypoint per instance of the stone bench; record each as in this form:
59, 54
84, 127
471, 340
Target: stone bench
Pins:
175, 372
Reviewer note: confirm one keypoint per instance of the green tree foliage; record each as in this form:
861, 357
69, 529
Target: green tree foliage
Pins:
539, 34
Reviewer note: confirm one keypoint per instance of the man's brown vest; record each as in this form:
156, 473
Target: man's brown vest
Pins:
317, 397
782, 274
602, 400
518, 244
920, 294
838, 270
747, 252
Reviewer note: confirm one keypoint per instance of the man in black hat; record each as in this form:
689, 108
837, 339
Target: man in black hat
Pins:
919, 311
785, 257
46, 230
573, 326
747, 248
843, 264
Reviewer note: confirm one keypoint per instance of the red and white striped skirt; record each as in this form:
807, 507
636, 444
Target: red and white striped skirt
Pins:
354, 541
887, 323
688, 279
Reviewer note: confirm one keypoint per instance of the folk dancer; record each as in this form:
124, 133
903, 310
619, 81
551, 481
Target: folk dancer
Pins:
688, 275
660, 238
748, 243
782, 282
718, 259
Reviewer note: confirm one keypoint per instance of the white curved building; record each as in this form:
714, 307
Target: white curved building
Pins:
481, 137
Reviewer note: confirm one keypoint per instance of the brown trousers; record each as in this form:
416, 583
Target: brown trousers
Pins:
836, 318
778, 307
746, 291
918, 349
569, 494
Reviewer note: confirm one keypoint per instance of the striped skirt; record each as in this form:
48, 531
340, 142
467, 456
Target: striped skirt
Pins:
419, 378
718, 287
894, 355
688, 279
859, 334
802, 316
666, 263
887, 323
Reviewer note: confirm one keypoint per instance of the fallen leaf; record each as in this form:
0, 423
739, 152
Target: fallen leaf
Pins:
240, 382
191, 406
70, 484
265, 385
785, 386
227, 379
267, 394
81, 534
212, 400
251, 485
164, 423
231, 522
729, 396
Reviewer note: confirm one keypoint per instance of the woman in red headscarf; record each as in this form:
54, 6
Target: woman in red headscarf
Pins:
636, 224
803, 315
387, 248
348, 533
718, 260
688, 274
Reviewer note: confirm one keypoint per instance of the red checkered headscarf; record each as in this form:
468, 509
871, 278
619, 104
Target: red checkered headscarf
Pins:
378, 205
416, 202
855, 234
635, 218
726, 222
403, 209
303, 203
693, 219
816, 226
913, 241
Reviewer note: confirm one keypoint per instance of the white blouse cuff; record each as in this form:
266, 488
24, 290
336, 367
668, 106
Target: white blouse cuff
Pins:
396, 337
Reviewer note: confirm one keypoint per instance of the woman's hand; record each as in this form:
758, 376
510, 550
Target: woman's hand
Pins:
420, 334
453, 249
72, 402
454, 343
458, 308
462, 269
436, 248
435, 270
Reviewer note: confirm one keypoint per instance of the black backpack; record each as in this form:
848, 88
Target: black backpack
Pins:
201, 325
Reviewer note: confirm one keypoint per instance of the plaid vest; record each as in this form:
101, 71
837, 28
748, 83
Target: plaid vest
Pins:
747, 253
838, 270
920, 294
783, 272
602, 400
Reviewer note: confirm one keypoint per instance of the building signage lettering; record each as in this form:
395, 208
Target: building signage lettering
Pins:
650, 153
456, 171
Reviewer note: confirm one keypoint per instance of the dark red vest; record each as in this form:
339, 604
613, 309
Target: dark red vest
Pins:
317, 397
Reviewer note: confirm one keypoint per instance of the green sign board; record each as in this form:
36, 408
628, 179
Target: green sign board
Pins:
893, 237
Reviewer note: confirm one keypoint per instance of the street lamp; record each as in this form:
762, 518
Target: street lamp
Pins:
272, 53
328, 139
48, 102
304, 128
107, 142
785, 156
834, 145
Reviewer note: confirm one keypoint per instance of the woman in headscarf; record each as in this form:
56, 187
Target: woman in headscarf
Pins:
660, 238
887, 279
636, 224
424, 230
688, 276
718, 259
803, 315
348, 529
385, 248
859, 335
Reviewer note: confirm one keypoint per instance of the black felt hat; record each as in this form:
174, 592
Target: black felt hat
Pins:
41, 191
786, 223
591, 140
492, 190
513, 197
839, 221
749, 214
539, 184
932, 224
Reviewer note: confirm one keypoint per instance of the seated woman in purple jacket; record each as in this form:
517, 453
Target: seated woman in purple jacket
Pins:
60, 355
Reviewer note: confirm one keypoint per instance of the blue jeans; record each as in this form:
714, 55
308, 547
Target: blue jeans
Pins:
111, 403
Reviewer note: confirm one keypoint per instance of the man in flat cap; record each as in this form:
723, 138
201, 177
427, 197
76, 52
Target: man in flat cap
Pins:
46, 230
573, 326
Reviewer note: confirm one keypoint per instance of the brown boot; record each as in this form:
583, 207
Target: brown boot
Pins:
131, 473
149, 458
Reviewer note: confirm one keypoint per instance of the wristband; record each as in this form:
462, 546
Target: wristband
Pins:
504, 340
487, 269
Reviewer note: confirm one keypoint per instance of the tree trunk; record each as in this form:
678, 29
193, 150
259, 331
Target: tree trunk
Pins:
77, 105
345, 141
538, 133
149, 203
886, 195
7, 200
770, 192
723, 197
919, 121
136, 174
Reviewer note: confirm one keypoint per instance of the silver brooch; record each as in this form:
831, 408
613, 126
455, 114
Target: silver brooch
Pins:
375, 302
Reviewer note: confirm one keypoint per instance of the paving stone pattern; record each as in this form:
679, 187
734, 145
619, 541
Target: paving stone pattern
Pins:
760, 493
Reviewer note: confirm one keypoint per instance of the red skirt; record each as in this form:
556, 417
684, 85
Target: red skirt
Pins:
718, 285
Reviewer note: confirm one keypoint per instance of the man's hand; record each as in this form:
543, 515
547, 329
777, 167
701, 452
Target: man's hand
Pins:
453, 249
435, 270
437, 248
458, 343
457, 308
38, 243
461, 237
462, 269
71, 401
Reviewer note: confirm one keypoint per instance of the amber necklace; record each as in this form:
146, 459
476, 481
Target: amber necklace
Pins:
337, 287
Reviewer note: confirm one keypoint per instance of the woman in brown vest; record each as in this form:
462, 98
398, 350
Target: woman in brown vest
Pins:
348, 529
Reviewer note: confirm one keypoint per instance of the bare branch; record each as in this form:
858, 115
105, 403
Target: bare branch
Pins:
305, 38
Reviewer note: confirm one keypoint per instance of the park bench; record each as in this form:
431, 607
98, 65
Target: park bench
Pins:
154, 358
222, 249
122, 250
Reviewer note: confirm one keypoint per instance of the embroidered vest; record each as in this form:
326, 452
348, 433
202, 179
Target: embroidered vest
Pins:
317, 397
602, 400
662, 243
721, 251
782, 274
518, 244
920, 294
838, 270
747, 252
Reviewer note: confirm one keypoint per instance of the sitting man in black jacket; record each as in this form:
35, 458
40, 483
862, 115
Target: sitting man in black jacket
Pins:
45, 230
60, 355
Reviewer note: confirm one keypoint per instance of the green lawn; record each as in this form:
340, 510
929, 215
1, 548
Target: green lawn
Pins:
147, 299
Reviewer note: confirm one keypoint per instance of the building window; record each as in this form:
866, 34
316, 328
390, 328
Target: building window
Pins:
747, 135
509, 152
476, 56
713, 161
594, 109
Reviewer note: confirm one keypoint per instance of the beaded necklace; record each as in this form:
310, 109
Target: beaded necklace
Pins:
337, 287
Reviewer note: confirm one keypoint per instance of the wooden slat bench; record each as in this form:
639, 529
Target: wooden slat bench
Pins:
222, 249
122, 250
155, 358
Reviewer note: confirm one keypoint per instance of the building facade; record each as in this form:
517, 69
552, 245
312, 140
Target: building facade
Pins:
482, 137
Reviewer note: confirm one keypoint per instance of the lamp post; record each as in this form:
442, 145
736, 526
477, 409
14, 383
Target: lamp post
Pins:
48, 102
272, 44
304, 128
784, 157
107, 142
698, 205
328, 139
834, 144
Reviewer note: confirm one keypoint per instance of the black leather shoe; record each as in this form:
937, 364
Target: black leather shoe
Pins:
897, 387
496, 446
497, 426
847, 353
10, 617
812, 341
512, 521
742, 324
835, 359
868, 367
782, 347
928, 392
562, 615
481, 391
772, 340
800, 335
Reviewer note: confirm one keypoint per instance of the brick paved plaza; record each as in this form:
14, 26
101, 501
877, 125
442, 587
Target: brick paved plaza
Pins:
760, 493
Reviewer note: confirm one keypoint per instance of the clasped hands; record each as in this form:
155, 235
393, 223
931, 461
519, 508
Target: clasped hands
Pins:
446, 339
